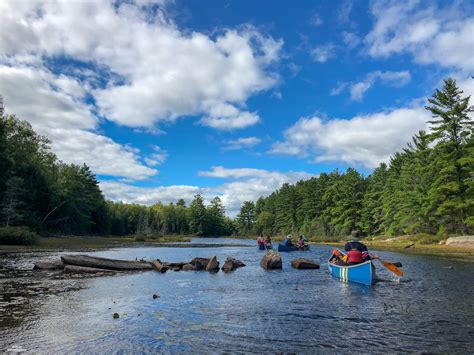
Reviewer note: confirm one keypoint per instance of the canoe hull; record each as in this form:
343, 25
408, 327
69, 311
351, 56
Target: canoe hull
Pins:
282, 247
363, 273
263, 247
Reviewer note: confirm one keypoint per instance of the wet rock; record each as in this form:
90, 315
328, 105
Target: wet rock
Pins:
175, 266
271, 260
104, 263
115, 315
200, 263
189, 267
49, 265
155, 296
231, 264
213, 265
302, 263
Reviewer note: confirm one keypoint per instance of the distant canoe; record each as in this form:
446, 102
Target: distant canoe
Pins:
282, 247
363, 273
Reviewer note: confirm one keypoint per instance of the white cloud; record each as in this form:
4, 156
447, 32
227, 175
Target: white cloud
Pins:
243, 142
51, 103
316, 20
362, 140
350, 39
228, 117
358, 89
157, 158
159, 72
249, 184
442, 36
323, 53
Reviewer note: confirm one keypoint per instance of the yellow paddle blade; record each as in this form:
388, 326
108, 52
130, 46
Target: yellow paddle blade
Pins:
392, 268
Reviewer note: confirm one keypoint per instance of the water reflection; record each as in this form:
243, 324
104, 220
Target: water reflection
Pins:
249, 310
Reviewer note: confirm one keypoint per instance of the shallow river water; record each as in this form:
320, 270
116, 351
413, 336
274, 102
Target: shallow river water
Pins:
249, 310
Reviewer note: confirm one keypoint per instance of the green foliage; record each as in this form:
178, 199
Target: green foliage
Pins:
17, 236
246, 218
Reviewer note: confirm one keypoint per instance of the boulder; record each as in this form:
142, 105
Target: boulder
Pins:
175, 266
463, 241
271, 260
302, 263
189, 267
231, 264
200, 263
49, 265
213, 265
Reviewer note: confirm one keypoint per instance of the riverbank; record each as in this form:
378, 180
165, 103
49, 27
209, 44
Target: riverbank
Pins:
86, 243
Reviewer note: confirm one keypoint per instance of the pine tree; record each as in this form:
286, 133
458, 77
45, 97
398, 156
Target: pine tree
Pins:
451, 132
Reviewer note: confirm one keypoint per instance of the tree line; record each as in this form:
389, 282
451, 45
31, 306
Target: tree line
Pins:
51, 197
428, 187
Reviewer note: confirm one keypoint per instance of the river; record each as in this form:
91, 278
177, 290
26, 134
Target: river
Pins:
249, 310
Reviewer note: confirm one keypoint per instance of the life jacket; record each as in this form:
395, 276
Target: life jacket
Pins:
354, 256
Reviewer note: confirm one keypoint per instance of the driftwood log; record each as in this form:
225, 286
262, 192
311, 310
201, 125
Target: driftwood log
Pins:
103, 263
84, 269
49, 265
159, 266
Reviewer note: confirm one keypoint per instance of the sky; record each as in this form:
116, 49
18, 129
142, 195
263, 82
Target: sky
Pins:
167, 99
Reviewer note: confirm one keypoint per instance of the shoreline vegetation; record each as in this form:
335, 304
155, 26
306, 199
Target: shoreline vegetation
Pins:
425, 192
411, 244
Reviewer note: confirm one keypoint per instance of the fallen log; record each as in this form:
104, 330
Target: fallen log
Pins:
103, 263
48, 265
159, 266
84, 269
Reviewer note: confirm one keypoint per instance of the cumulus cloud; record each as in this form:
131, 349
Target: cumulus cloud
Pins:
442, 36
243, 142
158, 156
350, 39
364, 140
358, 89
323, 53
53, 105
158, 72
248, 184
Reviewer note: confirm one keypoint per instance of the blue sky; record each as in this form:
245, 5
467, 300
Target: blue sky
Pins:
232, 98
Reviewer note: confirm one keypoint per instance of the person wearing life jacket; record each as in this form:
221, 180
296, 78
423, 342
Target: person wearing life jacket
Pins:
356, 251
260, 240
268, 242
288, 241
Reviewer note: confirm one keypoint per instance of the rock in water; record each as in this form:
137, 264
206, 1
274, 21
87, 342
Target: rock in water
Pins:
189, 267
115, 315
200, 263
213, 265
301, 263
231, 264
88, 270
271, 260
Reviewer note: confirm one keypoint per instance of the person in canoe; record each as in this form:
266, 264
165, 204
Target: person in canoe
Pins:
260, 240
301, 241
288, 242
268, 242
356, 251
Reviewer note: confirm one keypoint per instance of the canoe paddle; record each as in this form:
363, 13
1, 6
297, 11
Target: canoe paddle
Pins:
391, 267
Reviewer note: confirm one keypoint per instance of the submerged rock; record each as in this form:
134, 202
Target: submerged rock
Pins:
231, 264
189, 267
302, 263
155, 296
115, 315
271, 260
213, 265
